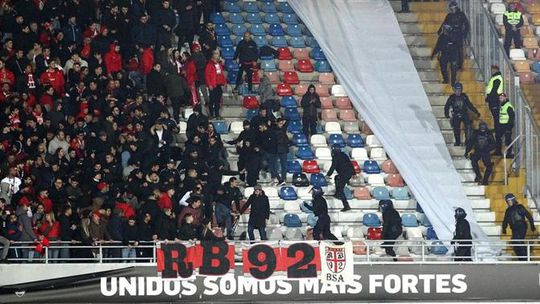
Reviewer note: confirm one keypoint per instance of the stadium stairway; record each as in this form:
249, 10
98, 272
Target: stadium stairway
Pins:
419, 28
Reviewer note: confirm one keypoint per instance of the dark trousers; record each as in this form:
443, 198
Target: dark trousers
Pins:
321, 231
177, 103
456, 127
460, 54
512, 36
494, 109
252, 176
341, 181
223, 216
282, 158
463, 253
248, 68
215, 100
505, 131
405, 5
486, 159
518, 233
444, 70
262, 232
389, 245
309, 126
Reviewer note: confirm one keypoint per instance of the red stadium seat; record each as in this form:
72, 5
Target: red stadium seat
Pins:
300, 54
395, 180
362, 193
526, 78
284, 89
284, 53
250, 102
327, 78
329, 115
322, 90
285, 65
300, 90
311, 166
304, 66
356, 167
343, 103
366, 129
255, 79
274, 77
326, 103
388, 167
347, 115
374, 233
291, 77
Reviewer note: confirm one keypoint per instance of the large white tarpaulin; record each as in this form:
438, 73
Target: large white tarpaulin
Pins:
366, 49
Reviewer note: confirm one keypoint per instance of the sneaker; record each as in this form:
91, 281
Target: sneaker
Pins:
457, 144
283, 183
345, 209
477, 179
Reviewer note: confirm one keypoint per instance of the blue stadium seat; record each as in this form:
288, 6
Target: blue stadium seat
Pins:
293, 166
222, 29
322, 66
425, 221
236, 18
271, 18
268, 65
290, 19
251, 7
285, 8
355, 141
239, 29
288, 102
297, 42
221, 126
318, 180
294, 30
348, 193
291, 114
431, 234
217, 18
371, 167
317, 54
275, 29
380, 193
231, 65
227, 53
231, 76
401, 193
419, 208
254, 18
336, 139
260, 40
305, 153
313, 43
231, 7
279, 41
224, 41
438, 248
292, 220
536, 67
287, 193
258, 30
291, 156
300, 139
294, 127
269, 7
409, 220
371, 220
311, 219
251, 112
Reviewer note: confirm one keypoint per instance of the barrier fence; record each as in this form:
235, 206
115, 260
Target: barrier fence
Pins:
366, 251
488, 50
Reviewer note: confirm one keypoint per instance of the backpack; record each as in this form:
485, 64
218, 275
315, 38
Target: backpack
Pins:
292, 221
300, 180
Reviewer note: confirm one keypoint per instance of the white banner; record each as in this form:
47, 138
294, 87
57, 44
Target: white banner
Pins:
337, 264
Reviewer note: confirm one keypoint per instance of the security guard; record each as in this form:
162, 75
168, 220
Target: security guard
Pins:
513, 21
494, 88
515, 216
482, 142
448, 49
460, 26
459, 104
392, 227
321, 231
462, 237
506, 124
345, 170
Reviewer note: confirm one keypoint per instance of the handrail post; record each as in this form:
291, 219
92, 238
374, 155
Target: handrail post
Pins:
422, 244
154, 248
528, 251
46, 255
100, 253
368, 251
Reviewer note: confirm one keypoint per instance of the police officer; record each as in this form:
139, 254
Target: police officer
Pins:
482, 142
506, 124
515, 216
494, 88
460, 26
392, 227
321, 231
459, 104
513, 21
345, 170
462, 236
448, 49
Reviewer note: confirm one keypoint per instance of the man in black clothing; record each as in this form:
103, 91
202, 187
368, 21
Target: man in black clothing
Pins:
208, 40
67, 230
248, 134
460, 105
247, 54
482, 142
515, 216
462, 237
448, 49
392, 227
460, 26
278, 151
321, 231
115, 228
345, 170
259, 214
196, 119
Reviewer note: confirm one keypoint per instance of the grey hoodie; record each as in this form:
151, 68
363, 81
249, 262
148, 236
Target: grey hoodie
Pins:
26, 223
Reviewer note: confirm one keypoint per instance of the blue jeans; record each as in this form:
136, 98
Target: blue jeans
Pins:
274, 168
262, 232
129, 254
223, 216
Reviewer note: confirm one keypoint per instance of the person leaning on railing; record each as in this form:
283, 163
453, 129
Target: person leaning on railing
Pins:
3, 241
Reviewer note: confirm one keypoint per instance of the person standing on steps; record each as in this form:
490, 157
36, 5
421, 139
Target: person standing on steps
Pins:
215, 80
462, 237
482, 142
345, 170
507, 118
319, 206
516, 216
404, 6
447, 51
460, 26
247, 54
494, 88
457, 109
392, 226
513, 21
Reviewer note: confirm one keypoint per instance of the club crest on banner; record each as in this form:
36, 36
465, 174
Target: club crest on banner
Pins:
337, 263
336, 259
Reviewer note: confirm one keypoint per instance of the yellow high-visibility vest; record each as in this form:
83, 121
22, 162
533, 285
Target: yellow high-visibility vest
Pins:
504, 118
489, 86
512, 17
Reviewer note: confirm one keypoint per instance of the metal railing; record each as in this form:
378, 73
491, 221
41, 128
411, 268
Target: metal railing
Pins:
365, 251
488, 50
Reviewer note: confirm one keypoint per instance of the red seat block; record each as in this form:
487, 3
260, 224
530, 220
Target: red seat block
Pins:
284, 89
291, 77
304, 66
374, 233
310, 166
395, 180
284, 53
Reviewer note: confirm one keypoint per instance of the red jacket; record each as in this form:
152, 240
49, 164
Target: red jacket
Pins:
113, 60
147, 61
46, 100
55, 79
211, 75
7, 76
126, 208
191, 73
47, 203
165, 201
54, 232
